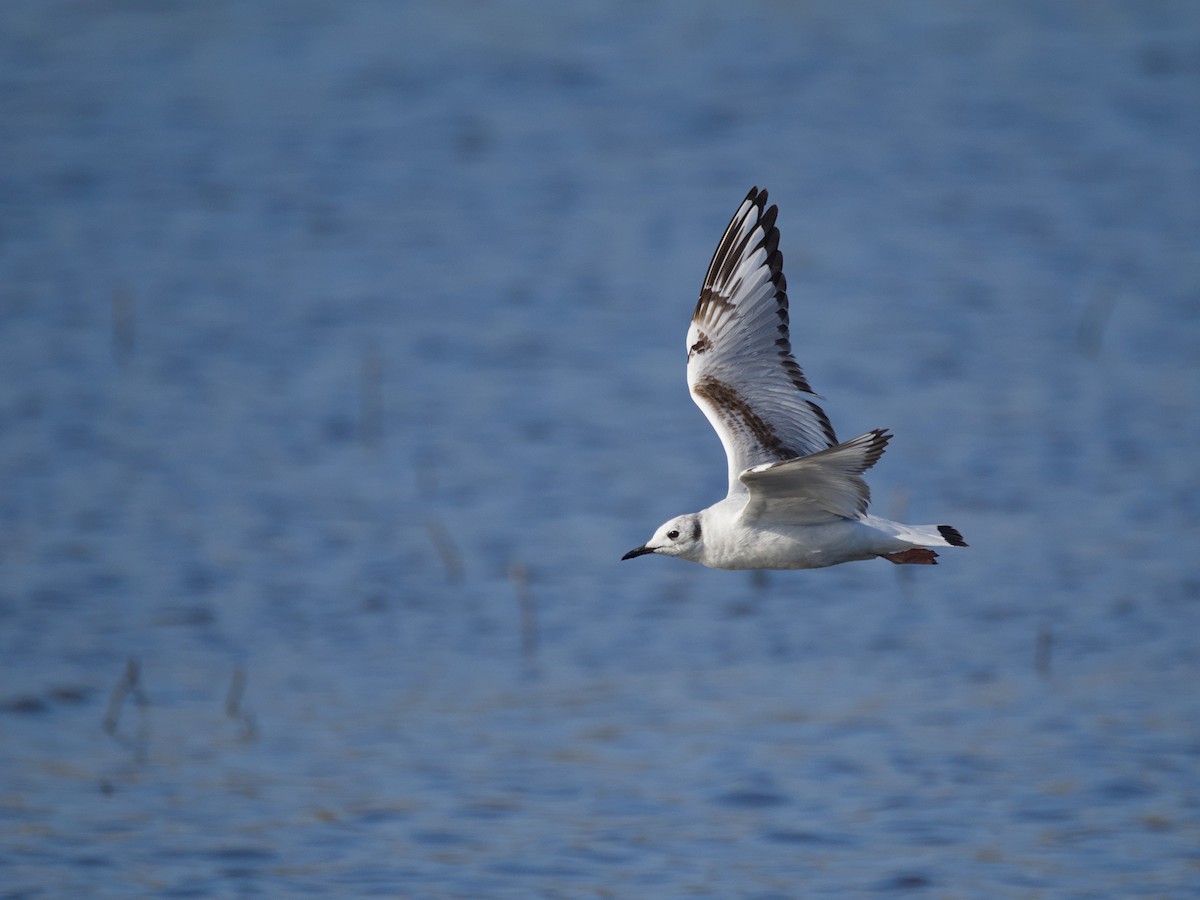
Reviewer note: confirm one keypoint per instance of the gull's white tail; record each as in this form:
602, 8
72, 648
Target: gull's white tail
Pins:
918, 535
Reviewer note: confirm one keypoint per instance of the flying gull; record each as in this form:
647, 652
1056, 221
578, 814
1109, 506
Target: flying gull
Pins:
797, 498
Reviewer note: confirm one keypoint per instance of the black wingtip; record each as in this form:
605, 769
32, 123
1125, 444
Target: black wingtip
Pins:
878, 444
952, 536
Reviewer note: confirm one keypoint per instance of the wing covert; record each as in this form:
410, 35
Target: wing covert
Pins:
822, 487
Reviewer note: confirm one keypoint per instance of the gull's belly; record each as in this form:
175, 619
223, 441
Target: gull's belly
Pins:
793, 546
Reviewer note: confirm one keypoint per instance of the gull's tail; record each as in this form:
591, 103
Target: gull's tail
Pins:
918, 535
951, 535
922, 535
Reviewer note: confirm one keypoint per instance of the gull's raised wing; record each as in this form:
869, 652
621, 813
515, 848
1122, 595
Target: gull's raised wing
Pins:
741, 371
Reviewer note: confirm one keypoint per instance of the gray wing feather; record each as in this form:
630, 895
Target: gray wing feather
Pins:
818, 488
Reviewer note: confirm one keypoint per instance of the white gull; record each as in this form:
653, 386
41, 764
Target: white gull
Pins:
797, 498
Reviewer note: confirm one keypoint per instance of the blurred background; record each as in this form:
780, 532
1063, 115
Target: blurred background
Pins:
341, 358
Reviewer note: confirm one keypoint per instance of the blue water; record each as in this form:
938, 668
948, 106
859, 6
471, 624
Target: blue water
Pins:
341, 358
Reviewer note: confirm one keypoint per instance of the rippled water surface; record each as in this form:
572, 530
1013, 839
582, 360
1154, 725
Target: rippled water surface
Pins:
341, 358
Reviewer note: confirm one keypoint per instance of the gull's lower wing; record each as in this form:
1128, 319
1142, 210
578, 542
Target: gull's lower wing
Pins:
741, 371
819, 488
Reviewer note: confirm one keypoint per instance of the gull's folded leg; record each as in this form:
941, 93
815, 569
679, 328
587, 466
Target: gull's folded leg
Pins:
917, 556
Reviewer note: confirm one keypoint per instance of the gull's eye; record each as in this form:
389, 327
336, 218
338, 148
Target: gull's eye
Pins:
673, 533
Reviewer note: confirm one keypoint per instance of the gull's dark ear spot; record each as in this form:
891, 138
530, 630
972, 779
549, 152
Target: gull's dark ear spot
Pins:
696, 529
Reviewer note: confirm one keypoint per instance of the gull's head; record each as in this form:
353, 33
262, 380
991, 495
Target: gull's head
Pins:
679, 537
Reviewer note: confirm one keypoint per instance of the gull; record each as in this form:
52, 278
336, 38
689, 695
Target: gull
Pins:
797, 498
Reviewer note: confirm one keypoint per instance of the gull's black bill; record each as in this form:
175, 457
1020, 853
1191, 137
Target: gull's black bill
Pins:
637, 551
